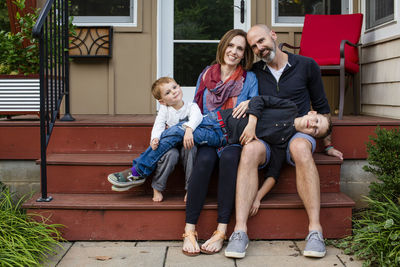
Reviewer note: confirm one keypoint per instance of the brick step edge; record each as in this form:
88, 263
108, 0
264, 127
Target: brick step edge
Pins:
130, 202
86, 159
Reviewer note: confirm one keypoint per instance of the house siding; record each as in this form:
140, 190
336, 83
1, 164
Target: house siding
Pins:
380, 82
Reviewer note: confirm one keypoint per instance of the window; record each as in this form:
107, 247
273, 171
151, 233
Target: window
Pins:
379, 12
293, 11
104, 12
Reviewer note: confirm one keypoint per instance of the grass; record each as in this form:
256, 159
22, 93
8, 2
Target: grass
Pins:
24, 241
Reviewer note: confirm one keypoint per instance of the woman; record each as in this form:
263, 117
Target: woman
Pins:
226, 84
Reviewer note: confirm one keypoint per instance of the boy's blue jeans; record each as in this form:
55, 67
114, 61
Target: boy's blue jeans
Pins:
209, 132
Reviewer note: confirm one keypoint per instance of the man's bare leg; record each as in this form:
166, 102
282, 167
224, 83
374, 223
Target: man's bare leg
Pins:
253, 155
307, 180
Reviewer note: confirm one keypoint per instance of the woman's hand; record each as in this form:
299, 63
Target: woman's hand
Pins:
188, 142
249, 132
240, 110
154, 143
254, 207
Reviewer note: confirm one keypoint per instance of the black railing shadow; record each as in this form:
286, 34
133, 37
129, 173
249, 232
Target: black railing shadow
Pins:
52, 31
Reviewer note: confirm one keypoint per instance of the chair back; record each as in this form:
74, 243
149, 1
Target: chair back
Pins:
322, 35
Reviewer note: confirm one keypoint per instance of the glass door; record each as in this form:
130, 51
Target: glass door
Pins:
188, 36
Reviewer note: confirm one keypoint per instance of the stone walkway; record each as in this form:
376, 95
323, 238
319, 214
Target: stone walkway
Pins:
169, 254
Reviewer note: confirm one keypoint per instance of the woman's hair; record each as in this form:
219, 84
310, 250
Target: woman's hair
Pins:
248, 57
156, 87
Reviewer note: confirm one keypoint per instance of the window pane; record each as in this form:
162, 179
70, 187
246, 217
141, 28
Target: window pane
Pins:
200, 20
379, 12
100, 8
190, 60
293, 11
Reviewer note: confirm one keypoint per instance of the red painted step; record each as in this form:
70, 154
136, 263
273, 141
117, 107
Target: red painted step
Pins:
128, 217
87, 173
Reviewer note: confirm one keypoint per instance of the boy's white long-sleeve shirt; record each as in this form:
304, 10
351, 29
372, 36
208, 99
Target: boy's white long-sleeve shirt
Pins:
168, 116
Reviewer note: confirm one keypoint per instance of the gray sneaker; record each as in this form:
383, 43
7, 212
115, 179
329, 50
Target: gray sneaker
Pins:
315, 246
238, 243
125, 178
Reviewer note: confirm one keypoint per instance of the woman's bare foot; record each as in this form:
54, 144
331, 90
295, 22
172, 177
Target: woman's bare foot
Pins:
216, 241
185, 198
157, 196
190, 245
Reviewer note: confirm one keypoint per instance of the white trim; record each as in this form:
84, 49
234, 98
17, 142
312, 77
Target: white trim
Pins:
196, 41
383, 31
92, 20
247, 15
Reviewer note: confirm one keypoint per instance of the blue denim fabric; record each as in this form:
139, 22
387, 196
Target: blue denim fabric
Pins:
207, 133
300, 135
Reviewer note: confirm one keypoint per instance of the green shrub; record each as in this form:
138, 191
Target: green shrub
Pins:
15, 56
376, 234
23, 241
384, 162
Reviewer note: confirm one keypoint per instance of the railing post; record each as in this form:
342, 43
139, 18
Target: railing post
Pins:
67, 116
43, 121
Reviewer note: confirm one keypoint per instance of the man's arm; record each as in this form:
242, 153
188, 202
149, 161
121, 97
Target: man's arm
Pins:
328, 146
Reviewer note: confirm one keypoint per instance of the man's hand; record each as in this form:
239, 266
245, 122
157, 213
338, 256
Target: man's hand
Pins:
154, 143
335, 153
240, 110
254, 207
188, 142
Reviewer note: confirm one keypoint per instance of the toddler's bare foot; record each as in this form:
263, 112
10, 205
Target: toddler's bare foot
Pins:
185, 198
157, 196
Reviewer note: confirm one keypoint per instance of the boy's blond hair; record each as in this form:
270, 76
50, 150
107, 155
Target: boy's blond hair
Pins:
156, 87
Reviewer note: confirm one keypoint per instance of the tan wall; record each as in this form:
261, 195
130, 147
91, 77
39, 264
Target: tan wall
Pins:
120, 85
380, 83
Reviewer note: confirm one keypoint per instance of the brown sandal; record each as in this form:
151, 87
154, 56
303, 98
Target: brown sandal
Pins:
220, 236
192, 235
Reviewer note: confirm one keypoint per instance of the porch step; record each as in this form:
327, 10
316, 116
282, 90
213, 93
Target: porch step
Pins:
129, 217
87, 173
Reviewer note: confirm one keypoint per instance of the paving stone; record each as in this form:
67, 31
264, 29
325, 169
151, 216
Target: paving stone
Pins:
90, 254
159, 244
61, 251
175, 258
287, 261
271, 248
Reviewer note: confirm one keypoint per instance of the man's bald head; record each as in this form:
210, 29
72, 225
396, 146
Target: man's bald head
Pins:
260, 26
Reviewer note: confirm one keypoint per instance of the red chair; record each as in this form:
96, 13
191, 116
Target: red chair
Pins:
332, 40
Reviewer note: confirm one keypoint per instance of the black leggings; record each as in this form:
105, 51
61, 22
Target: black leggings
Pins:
204, 164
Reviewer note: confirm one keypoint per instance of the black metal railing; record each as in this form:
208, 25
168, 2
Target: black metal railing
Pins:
52, 31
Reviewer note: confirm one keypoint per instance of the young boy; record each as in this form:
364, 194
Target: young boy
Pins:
172, 111
272, 120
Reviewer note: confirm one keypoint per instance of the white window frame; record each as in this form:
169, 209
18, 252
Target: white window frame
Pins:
298, 21
383, 31
122, 21
381, 21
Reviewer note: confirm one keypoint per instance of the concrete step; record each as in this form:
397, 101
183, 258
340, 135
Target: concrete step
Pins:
130, 217
87, 173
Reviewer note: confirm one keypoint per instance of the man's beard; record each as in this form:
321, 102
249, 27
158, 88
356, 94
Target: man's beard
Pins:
271, 54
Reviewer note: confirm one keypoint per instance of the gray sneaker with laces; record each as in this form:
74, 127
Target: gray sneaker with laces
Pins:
238, 243
125, 178
315, 246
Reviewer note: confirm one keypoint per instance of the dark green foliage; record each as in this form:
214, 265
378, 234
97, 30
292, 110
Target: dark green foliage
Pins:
15, 56
23, 241
376, 234
384, 162
4, 19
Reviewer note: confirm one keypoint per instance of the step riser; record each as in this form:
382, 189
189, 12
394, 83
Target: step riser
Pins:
93, 179
99, 139
169, 224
